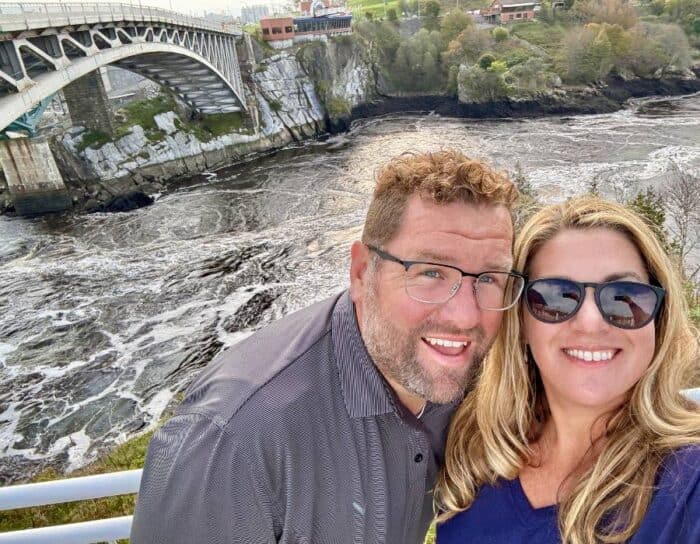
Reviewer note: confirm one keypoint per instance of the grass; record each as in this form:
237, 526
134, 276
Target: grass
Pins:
338, 106
377, 9
93, 139
548, 37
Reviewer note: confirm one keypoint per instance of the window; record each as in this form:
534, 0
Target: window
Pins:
287, 28
518, 15
276, 30
266, 31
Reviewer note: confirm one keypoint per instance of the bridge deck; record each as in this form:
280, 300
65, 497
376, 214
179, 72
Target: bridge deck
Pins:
25, 16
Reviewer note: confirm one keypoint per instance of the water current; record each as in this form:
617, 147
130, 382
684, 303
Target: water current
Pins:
105, 317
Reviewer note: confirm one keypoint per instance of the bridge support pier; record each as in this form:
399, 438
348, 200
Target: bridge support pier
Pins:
88, 104
33, 180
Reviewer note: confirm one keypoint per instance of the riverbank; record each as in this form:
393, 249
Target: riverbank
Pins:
590, 100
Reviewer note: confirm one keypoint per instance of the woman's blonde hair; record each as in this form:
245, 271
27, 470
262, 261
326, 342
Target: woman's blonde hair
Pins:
492, 430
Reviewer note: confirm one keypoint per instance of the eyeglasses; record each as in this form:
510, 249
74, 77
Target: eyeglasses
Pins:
623, 304
437, 283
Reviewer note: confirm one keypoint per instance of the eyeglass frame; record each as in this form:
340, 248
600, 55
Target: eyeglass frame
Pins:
408, 263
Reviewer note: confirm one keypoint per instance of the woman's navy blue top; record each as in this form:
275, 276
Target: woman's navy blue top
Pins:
502, 513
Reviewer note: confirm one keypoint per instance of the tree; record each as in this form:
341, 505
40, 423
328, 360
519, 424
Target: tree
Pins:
403, 6
682, 204
656, 47
619, 12
650, 206
479, 85
417, 66
432, 11
468, 46
391, 15
453, 25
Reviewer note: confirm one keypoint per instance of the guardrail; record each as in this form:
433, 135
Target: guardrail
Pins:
30, 15
69, 490
85, 488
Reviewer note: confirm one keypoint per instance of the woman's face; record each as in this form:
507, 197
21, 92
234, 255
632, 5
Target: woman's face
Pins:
561, 349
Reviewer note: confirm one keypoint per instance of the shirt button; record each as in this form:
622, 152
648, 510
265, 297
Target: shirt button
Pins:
418, 458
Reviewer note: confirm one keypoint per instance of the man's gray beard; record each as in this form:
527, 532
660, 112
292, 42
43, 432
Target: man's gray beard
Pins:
394, 353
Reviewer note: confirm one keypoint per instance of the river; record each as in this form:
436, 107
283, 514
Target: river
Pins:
104, 317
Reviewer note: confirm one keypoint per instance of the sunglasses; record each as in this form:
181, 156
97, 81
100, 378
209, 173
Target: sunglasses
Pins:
623, 304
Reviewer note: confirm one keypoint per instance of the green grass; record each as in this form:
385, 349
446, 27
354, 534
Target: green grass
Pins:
548, 37
93, 139
338, 106
376, 8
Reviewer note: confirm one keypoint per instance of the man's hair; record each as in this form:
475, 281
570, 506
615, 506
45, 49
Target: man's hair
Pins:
442, 177
491, 432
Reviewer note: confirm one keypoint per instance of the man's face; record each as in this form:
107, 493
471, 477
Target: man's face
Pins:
431, 351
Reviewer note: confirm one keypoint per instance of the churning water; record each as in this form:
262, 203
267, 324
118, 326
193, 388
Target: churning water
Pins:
104, 317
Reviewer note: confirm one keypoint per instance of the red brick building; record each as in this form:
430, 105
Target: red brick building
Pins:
277, 29
509, 11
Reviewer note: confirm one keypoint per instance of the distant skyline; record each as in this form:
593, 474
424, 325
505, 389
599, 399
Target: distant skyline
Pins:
189, 7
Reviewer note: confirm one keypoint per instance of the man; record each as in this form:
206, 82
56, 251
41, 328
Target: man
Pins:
328, 426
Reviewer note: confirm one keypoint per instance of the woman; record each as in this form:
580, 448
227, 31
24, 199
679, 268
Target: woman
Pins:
576, 431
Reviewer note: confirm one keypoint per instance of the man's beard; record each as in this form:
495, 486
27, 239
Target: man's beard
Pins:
394, 353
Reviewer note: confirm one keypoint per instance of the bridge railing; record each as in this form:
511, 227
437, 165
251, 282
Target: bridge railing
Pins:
85, 488
29, 15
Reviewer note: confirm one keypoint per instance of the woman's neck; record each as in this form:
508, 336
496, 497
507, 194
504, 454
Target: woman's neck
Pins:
569, 443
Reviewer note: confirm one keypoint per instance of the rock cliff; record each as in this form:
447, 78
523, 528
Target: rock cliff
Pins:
292, 96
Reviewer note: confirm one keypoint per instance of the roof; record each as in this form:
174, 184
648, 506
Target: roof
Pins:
514, 3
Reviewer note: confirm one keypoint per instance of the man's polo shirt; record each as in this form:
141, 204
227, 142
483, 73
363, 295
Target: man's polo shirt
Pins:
293, 436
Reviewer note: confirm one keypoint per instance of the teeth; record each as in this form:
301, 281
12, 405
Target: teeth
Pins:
446, 343
591, 355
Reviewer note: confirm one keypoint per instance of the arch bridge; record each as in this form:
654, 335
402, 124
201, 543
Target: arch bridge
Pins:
46, 46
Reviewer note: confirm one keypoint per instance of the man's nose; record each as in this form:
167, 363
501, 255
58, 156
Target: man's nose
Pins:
463, 308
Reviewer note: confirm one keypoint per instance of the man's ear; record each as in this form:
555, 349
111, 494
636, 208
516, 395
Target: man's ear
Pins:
359, 259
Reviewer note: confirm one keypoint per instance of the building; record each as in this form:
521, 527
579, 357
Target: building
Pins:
510, 11
278, 31
252, 14
320, 18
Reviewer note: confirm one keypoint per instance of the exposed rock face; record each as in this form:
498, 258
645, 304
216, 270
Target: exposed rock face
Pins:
290, 104
287, 99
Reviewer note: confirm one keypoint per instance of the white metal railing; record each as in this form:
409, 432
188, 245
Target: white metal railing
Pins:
68, 490
28, 15
89, 487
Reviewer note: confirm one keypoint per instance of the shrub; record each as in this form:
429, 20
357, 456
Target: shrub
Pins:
485, 61
479, 85
500, 34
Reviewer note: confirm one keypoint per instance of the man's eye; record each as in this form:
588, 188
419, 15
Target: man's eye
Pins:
433, 273
487, 279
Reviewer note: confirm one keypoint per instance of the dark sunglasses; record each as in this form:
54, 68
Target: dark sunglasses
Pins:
623, 304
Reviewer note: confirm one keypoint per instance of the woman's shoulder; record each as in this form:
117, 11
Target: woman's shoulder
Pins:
680, 470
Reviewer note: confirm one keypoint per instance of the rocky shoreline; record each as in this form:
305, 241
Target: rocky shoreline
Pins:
605, 98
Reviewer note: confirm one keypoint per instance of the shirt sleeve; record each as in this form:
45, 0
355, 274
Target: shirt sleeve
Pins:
204, 483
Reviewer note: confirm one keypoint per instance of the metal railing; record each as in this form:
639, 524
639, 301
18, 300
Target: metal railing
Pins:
32, 15
69, 490
85, 488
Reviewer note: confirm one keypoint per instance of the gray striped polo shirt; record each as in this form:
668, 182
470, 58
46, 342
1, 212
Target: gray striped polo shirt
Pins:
293, 436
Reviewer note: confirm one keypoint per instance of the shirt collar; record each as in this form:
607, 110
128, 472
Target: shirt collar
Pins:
365, 391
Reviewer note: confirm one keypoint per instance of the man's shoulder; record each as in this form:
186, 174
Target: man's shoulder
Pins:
280, 352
